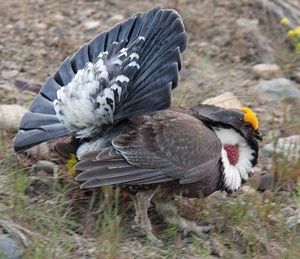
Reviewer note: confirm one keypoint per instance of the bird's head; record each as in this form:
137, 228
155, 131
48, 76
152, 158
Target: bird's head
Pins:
238, 131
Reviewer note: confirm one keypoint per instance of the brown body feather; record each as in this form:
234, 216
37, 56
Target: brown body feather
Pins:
170, 149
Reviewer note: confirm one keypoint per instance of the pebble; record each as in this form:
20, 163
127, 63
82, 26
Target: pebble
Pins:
294, 220
10, 116
267, 71
266, 181
6, 89
225, 100
41, 151
44, 165
277, 90
24, 84
296, 76
116, 18
9, 248
261, 180
90, 25
247, 24
248, 190
9, 74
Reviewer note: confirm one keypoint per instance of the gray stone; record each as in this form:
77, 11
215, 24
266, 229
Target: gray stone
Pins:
225, 100
56, 31
294, 220
277, 90
267, 71
41, 151
24, 84
43, 165
90, 25
289, 147
116, 18
296, 76
266, 181
10, 116
9, 74
247, 24
9, 248
6, 89
261, 180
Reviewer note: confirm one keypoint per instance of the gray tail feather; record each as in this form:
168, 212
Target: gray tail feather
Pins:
149, 89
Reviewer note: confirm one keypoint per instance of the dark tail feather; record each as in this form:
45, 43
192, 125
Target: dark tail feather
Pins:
29, 138
160, 62
162, 37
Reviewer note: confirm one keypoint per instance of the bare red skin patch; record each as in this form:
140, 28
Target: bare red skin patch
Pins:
232, 153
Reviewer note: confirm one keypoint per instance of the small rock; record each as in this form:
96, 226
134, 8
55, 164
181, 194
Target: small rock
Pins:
226, 100
261, 180
294, 220
266, 181
9, 248
9, 74
288, 211
223, 38
296, 76
24, 84
44, 165
41, 151
248, 190
289, 147
56, 31
116, 18
277, 90
267, 71
10, 116
41, 26
247, 24
246, 83
90, 25
6, 89
20, 24
59, 17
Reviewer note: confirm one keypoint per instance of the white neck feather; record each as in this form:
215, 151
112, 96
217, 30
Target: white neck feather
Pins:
234, 174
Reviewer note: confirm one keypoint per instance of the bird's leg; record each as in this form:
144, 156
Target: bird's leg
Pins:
137, 218
142, 204
170, 214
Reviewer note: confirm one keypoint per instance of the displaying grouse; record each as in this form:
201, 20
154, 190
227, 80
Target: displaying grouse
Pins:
113, 98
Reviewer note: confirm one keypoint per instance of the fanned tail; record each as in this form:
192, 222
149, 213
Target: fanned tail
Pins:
127, 70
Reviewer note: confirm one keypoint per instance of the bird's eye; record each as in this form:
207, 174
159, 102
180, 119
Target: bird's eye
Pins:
248, 125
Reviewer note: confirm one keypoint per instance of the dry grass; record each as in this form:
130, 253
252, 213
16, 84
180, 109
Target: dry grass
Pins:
53, 219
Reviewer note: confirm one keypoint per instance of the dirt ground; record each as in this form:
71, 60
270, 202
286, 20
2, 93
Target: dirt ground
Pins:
226, 39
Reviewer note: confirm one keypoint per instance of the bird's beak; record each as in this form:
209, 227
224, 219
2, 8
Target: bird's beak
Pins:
257, 134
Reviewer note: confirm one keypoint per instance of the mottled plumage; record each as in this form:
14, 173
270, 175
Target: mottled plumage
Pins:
158, 147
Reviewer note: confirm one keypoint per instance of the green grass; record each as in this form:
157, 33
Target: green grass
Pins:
52, 218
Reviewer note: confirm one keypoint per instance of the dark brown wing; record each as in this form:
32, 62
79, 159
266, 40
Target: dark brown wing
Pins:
160, 147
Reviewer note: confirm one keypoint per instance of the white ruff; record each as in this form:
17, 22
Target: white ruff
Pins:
234, 174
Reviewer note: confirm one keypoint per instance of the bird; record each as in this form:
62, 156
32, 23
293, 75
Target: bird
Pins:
112, 101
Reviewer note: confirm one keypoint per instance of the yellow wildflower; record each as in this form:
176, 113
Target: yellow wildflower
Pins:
297, 31
284, 21
70, 163
291, 33
298, 47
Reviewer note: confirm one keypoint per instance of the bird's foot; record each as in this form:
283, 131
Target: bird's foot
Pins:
169, 212
142, 202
